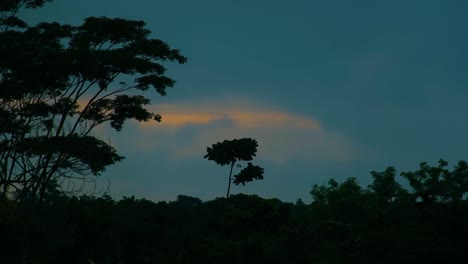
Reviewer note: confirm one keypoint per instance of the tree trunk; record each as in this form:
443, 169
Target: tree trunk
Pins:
229, 183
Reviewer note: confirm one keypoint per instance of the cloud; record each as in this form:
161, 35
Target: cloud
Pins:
243, 114
188, 128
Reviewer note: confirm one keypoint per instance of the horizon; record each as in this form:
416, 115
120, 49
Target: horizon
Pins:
329, 90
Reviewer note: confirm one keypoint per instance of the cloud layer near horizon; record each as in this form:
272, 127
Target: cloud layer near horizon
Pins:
188, 128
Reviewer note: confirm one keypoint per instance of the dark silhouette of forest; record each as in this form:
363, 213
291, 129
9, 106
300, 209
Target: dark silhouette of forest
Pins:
59, 82
345, 223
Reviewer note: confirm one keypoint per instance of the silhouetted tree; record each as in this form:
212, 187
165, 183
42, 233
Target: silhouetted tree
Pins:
229, 152
385, 187
59, 82
432, 184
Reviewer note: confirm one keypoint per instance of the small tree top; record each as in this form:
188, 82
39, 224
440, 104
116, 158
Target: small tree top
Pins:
248, 174
230, 151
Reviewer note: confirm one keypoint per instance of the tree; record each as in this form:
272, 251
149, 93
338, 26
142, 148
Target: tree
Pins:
229, 152
59, 82
435, 184
385, 187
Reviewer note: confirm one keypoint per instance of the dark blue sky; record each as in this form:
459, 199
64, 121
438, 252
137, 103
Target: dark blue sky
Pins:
328, 88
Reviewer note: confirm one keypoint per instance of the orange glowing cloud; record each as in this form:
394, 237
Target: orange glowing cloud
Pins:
282, 135
241, 115
271, 119
182, 119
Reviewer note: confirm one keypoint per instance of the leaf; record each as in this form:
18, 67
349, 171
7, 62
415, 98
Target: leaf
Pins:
230, 151
248, 174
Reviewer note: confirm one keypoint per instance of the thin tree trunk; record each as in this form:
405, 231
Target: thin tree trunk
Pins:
229, 183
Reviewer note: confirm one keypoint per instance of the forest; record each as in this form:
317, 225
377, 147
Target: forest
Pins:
59, 82
345, 223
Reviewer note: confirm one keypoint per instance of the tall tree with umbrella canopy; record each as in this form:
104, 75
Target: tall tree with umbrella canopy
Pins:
229, 152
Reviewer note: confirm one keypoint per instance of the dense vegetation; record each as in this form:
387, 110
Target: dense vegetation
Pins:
345, 223
58, 82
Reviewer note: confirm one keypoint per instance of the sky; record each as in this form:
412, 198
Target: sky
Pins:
329, 89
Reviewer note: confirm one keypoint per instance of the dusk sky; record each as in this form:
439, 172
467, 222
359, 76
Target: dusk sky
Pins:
330, 89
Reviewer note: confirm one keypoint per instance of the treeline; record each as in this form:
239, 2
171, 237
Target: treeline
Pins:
425, 222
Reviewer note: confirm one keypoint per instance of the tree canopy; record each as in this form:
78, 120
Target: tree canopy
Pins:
229, 152
59, 82
386, 222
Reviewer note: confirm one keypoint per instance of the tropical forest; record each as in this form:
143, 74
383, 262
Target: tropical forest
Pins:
59, 83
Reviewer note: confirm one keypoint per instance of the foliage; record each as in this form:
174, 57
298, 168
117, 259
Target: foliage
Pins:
248, 174
386, 188
58, 83
229, 152
345, 223
432, 184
